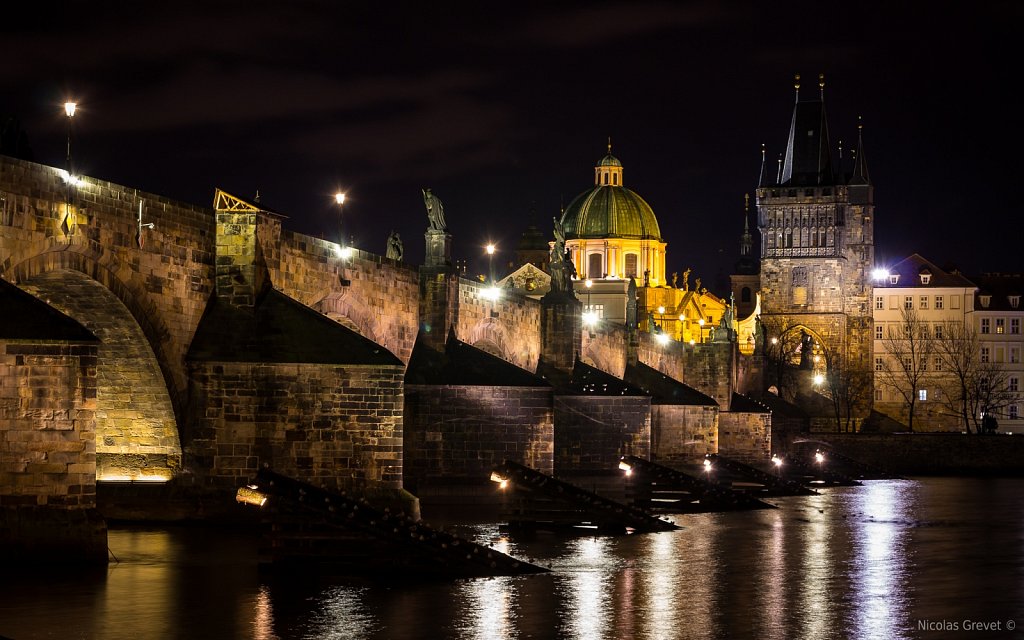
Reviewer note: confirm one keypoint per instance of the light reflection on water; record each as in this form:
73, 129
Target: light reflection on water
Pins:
859, 562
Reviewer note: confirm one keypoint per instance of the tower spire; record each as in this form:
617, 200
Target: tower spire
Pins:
745, 241
796, 85
860, 166
609, 145
760, 176
808, 151
778, 174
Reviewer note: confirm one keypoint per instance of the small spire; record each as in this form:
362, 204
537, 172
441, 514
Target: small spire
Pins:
778, 176
840, 152
257, 198
609, 145
760, 177
860, 162
746, 241
821, 85
796, 85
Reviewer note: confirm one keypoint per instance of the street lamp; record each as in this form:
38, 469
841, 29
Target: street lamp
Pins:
344, 251
69, 111
490, 261
589, 316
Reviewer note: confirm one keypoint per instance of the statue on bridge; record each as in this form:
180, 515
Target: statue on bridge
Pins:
806, 349
435, 211
394, 250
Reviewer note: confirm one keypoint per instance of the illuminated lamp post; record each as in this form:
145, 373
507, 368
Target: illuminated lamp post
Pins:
339, 198
67, 225
69, 111
490, 262
589, 316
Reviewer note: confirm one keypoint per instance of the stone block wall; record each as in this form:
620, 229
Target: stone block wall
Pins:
48, 455
746, 437
593, 432
331, 424
508, 327
670, 359
683, 433
379, 299
460, 432
709, 369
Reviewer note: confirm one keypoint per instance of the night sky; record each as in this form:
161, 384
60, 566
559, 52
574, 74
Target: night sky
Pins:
504, 108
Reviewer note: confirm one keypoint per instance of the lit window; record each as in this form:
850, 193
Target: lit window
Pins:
922, 395
938, 302
924, 302
986, 325
908, 302
1000, 325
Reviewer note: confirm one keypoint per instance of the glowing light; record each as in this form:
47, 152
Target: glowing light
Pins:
247, 495
500, 479
707, 464
343, 252
692, 342
662, 338
68, 178
777, 461
590, 318
589, 283
880, 274
490, 249
819, 378
492, 293
819, 457
682, 316
148, 477
701, 322
339, 197
661, 310
775, 340
69, 109
625, 466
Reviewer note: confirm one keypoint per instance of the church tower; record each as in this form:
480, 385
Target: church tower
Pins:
817, 246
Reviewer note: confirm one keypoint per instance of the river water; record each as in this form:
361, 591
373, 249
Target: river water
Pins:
920, 558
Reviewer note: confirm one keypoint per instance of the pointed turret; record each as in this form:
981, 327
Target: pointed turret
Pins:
808, 160
860, 167
760, 178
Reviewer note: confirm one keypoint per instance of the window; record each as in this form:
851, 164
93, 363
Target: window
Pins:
597, 309
878, 395
594, 266
878, 332
1000, 326
894, 278
923, 302
745, 294
1014, 355
986, 325
955, 302
999, 354
878, 364
984, 354
1013, 384
985, 300
1012, 411
938, 302
922, 395
908, 302
937, 364
1014, 302
926, 277
630, 265
615, 178
938, 332
924, 364
879, 302
1015, 326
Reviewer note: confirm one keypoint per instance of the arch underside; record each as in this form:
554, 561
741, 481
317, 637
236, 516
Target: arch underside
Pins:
136, 430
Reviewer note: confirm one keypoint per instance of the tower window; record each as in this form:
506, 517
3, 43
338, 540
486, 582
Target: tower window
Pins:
745, 294
615, 179
594, 266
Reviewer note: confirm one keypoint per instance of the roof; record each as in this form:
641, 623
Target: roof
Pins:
610, 212
1001, 288
279, 329
588, 380
609, 161
532, 240
778, 406
25, 317
663, 389
745, 404
808, 160
910, 270
464, 365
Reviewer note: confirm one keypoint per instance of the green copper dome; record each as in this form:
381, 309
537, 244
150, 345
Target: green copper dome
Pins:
609, 161
610, 212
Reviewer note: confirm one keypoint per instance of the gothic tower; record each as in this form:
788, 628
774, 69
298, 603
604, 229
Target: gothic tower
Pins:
817, 247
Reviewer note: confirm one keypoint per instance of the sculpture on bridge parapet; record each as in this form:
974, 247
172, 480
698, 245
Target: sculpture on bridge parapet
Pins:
394, 249
561, 265
435, 211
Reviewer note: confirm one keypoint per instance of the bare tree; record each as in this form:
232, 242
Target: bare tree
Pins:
909, 347
957, 349
782, 353
988, 393
850, 385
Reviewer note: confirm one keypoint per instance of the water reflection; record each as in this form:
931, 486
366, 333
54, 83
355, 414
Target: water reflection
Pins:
880, 606
858, 562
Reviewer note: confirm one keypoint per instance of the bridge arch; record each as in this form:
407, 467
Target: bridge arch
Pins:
137, 434
354, 314
491, 336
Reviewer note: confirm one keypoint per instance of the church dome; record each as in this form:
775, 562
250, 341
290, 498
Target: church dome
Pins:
609, 210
